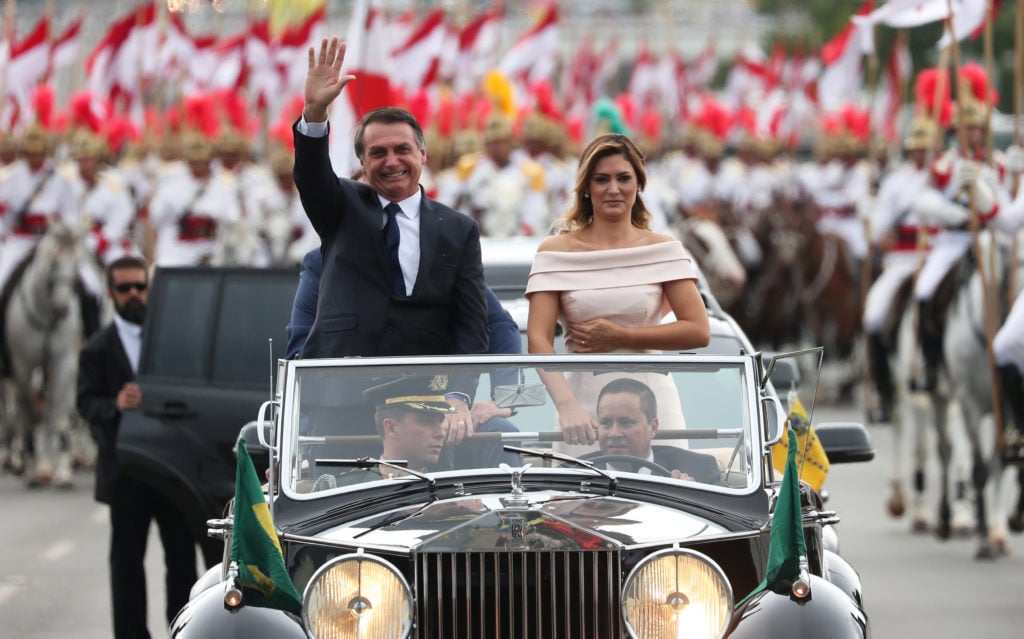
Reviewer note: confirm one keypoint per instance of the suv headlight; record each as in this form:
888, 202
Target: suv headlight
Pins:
676, 593
357, 596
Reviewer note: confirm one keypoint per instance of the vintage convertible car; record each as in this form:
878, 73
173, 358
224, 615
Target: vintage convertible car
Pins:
660, 529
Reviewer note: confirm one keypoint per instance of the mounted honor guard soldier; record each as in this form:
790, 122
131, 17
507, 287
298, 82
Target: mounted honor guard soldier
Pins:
960, 180
187, 209
897, 234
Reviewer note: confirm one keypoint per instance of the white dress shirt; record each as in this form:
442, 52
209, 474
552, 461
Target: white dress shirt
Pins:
131, 339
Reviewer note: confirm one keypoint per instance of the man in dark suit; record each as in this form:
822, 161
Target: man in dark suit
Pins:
402, 273
627, 416
106, 370
429, 299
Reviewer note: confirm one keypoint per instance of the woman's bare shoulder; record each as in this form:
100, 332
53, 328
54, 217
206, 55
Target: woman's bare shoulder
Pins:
658, 238
560, 242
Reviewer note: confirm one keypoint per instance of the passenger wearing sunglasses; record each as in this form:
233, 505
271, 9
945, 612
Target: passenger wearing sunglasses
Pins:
106, 388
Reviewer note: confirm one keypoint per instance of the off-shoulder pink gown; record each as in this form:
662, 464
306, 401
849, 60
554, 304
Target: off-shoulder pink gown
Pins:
625, 286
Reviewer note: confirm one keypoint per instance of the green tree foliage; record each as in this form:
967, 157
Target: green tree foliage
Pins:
805, 25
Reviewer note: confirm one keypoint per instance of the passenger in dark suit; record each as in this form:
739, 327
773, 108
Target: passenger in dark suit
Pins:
627, 415
107, 366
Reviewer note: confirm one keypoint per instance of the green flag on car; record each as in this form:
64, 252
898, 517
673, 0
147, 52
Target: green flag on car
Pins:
786, 545
255, 548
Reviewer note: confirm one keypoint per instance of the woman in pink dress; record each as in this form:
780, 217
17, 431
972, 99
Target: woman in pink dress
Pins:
610, 280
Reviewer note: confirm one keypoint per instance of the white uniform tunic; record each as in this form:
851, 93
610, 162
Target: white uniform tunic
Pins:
952, 243
107, 210
282, 221
186, 213
21, 192
510, 200
842, 189
892, 215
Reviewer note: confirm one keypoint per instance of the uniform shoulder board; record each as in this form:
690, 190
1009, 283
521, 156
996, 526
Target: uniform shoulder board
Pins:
534, 174
466, 164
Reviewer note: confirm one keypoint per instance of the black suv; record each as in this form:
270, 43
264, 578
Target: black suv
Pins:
204, 370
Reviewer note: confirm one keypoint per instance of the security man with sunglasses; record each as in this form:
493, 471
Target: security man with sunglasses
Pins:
108, 364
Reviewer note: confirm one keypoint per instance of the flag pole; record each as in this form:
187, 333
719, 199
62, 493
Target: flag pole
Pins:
866, 265
975, 226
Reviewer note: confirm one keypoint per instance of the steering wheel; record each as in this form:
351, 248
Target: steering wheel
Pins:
656, 469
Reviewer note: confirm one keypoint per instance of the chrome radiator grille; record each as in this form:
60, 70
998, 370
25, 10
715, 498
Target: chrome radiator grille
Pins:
518, 595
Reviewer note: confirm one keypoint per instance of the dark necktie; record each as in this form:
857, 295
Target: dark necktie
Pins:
391, 240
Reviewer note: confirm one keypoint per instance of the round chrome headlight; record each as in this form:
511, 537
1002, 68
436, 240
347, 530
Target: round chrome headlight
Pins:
357, 597
676, 593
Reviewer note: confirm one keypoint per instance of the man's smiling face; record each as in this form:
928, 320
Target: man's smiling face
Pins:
392, 160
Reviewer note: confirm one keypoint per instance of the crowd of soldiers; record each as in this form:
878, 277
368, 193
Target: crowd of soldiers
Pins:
190, 199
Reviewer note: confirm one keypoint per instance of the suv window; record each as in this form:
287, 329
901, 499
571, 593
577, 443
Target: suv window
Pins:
210, 330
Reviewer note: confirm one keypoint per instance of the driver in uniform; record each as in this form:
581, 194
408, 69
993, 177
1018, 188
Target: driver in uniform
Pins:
627, 416
410, 418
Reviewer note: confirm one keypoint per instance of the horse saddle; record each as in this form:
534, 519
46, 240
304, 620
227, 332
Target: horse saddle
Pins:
194, 227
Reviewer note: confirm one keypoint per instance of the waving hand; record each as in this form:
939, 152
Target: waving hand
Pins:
324, 81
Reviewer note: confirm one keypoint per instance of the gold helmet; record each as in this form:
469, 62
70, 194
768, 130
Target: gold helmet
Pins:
281, 161
231, 140
923, 134
498, 128
36, 139
195, 147
707, 144
971, 112
86, 145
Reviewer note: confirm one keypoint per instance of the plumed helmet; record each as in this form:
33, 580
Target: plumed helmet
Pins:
498, 127
281, 160
922, 134
86, 145
195, 147
36, 139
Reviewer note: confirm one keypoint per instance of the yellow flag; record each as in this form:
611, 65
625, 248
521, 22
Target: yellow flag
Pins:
811, 458
290, 13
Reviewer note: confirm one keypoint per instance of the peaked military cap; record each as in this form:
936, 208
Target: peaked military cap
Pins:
419, 393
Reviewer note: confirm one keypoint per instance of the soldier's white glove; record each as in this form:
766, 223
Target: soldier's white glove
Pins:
1015, 159
935, 208
985, 198
966, 173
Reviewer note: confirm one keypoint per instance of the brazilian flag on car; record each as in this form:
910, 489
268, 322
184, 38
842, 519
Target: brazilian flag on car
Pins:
786, 543
255, 548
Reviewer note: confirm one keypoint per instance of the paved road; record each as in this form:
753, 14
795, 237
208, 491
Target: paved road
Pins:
53, 584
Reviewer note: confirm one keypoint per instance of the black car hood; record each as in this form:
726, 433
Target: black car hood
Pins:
550, 520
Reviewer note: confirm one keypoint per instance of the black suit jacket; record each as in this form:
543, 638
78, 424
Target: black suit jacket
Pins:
103, 369
701, 466
357, 314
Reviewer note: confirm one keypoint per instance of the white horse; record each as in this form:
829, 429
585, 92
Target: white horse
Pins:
43, 328
970, 373
921, 415
707, 242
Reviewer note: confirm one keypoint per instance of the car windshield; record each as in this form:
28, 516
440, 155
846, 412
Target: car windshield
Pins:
679, 419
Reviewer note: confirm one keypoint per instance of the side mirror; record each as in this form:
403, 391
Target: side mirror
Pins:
845, 442
775, 419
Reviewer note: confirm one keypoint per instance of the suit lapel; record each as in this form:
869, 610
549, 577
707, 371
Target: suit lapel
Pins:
430, 227
119, 353
371, 204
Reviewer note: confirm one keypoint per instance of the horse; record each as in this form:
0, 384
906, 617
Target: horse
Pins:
920, 410
43, 328
705, 239
966, 352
